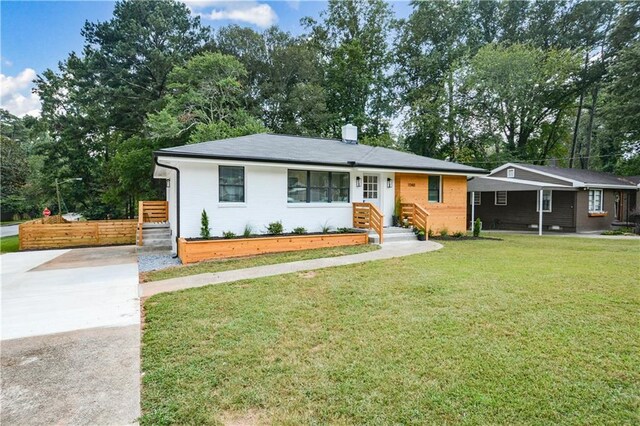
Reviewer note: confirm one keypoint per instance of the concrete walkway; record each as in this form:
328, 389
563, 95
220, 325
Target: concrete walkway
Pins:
387, 251
8, 230
70, 337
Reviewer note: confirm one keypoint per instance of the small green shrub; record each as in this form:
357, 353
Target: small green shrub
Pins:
275, 228
477, 227
248, 230
228, 235
619, 231
458, 234
300, 230
430, 233
421, 233
326, 228
205, 230
343, 230
444, 232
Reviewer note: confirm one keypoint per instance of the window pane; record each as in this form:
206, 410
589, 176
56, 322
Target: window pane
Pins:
232, 194
231, 184
297, 186
339, 180
340, 195
434, 189
320, 179
319, 195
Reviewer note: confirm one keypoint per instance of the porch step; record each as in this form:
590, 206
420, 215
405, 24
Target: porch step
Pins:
393, 234
156, 237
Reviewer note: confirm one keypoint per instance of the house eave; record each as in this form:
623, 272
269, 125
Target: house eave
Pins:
349, 164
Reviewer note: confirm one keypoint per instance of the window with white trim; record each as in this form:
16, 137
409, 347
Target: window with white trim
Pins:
231, 184
501, 198
311, 186
511, 173
546, 201
595, 201
477, 199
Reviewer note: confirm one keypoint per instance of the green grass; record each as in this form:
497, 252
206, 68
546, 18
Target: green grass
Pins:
9, 244
526, 330
248, 262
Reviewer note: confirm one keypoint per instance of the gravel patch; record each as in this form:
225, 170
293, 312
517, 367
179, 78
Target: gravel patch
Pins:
153, 262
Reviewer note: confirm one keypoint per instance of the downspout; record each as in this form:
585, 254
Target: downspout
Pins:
166, 166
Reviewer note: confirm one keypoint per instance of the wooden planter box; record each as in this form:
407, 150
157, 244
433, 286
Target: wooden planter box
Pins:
199, 250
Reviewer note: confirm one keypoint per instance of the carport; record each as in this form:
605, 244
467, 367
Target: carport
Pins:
497, 184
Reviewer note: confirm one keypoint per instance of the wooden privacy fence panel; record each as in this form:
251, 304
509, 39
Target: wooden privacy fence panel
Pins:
418, 217
368, 216
153, 211
34, 235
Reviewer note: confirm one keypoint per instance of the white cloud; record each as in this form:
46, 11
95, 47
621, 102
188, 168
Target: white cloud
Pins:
294, 4
5, 62
251, 12
16, 96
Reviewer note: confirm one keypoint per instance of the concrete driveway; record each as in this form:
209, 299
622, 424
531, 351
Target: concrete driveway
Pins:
70, 337
8, 230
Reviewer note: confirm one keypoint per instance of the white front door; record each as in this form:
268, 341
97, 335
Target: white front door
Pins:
370, 189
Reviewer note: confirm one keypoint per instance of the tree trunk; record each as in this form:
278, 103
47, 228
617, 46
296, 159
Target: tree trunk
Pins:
575, 129
592, 114
450, 121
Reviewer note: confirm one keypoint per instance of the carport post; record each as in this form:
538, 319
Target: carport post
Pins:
540, 213
473, 209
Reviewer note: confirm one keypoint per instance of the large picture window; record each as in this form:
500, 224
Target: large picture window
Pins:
310, 186
231, 184
595, 200
434, 189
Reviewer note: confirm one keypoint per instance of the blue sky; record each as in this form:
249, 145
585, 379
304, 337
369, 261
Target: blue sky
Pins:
36, 35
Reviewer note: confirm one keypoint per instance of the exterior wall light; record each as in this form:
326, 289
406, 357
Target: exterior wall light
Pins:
358, 181
389, 183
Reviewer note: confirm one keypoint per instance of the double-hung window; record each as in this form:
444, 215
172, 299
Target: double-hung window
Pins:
546, 201
595, 201
501, 198
435, 195
231, 184
311, 186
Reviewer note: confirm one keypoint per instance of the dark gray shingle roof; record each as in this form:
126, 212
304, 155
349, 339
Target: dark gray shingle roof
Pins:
588, 177
264, 147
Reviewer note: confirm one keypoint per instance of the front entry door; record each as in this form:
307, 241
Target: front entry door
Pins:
371, 193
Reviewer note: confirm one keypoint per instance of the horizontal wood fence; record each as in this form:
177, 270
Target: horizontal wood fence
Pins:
36, 235
151, 211
368, 216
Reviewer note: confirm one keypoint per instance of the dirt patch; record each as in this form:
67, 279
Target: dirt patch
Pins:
308, 274
91, 257
249, 418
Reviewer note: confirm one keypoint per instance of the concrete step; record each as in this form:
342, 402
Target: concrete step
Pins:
156, 241
154, 225
156, 232
393, 237
397, 230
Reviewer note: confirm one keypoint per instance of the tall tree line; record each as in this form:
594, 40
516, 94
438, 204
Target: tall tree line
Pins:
478, 82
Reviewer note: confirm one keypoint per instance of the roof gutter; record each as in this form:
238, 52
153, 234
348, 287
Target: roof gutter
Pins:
166, 166
477, 172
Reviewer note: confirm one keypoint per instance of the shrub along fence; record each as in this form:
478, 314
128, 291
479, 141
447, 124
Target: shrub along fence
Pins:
38, 235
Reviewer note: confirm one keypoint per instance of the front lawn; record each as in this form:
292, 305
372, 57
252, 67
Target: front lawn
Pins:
9, 244
527, 330
249, 262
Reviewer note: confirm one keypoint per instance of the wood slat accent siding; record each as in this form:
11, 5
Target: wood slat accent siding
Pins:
196, 251
34, 235
450, 213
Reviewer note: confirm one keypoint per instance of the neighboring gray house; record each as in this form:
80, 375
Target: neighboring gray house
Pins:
572, 200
